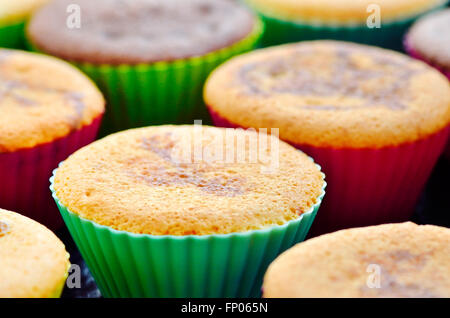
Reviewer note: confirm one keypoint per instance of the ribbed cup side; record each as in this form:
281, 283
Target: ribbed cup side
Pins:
24, 175
374, 186
370, 186
162, 92
389, 35
231, 265
12, 36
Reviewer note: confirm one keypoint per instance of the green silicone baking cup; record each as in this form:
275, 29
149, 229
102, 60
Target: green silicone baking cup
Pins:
12, 35
220, 265
390, 35
162, 92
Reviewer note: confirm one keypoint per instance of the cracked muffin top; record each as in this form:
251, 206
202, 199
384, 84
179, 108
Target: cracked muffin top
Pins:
42, 99
33, 261
139, 31
390, 260
332, 94
186, 180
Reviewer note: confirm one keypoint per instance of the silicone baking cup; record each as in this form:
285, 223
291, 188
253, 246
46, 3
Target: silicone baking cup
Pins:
161, 92
220, 265
12, 35
24, 175
389, 35
370, 186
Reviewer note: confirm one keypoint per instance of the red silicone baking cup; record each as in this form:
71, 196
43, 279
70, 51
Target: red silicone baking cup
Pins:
370, 186
25, 174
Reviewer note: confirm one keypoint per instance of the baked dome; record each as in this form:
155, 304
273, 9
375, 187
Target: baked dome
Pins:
390, 260
139, 31
33, 261
332, 94
148, 181
42, 99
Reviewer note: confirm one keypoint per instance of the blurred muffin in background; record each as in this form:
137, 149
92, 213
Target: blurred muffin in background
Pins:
375, 120
391, 260
347, 20
33, 261
149, 57
13, 15
429, 40
48, 109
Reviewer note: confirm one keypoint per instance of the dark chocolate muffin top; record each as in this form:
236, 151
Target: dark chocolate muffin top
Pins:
137, 31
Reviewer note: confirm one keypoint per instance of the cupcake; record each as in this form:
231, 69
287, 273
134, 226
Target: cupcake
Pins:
391, 260
379, 22
375, 120
13, 15
150, 58
186, 211
33, 261
48, 109
425, 41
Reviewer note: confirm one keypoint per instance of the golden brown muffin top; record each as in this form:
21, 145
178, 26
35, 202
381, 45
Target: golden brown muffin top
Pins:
169, 180
332, 94
335, 12
430, 37
391, 260
33, 261
139, 31
42, 99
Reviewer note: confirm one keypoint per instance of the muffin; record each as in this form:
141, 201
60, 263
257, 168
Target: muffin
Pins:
13, 15
391, 260
151, 208
48, 109
426, 42
33, 261
150, 58
375, 120
291, 21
